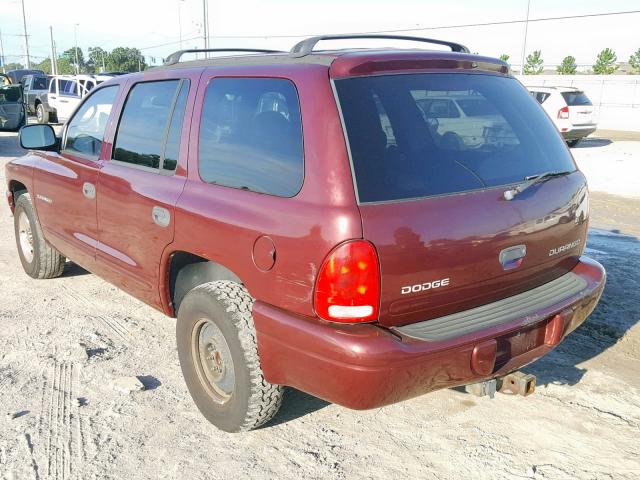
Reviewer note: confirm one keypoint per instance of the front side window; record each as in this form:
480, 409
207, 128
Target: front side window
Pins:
146, 124
86, 128
497, 136
251, 136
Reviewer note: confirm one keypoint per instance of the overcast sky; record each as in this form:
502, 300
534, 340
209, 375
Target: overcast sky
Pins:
145, 23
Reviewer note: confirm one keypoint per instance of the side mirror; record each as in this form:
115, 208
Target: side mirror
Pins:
38, 137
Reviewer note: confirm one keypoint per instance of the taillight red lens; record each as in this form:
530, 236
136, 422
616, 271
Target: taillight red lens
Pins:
563, 113
348, 284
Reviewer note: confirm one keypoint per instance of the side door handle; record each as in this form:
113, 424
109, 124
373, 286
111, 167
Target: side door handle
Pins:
161, 216
89, 190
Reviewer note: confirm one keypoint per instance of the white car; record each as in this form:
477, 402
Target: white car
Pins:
64, 95
569, 108
465, 122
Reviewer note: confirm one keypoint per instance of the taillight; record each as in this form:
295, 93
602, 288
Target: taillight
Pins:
348, 284
563, 113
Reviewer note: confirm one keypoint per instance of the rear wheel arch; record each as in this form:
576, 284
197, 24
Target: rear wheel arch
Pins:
186, 271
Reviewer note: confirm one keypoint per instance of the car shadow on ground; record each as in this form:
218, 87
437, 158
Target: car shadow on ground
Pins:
73, 270
617, 312
593, 142
296, 404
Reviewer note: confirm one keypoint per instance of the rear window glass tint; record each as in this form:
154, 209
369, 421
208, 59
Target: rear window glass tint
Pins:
172, 148
251, 135
574, 99
39, 83
141, 132
500, 136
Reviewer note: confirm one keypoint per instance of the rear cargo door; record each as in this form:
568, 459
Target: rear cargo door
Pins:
580, 108
432, 202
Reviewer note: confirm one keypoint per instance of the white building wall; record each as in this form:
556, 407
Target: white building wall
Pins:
616, 98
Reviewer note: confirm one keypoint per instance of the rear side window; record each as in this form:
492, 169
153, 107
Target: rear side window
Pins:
541, 97
39, 83
86, 128
251, 135
575, 99
501, 137
68, 88
146, 124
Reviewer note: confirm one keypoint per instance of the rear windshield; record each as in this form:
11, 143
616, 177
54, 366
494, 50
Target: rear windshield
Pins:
431, 134
574, 99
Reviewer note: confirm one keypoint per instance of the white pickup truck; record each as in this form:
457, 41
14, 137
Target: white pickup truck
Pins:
64, 95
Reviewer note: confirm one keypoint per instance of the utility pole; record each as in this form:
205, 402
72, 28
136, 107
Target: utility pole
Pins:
2, 53
26, 37
54, 61
205, 25
75, 36
180, 22
524, 39
104, 69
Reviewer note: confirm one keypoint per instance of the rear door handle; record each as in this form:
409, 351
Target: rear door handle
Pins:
89, 190
161, 216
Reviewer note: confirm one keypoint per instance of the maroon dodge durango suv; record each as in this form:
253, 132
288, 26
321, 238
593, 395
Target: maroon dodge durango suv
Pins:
365, 225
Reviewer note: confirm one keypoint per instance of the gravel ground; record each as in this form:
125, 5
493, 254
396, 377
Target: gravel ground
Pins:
67, 344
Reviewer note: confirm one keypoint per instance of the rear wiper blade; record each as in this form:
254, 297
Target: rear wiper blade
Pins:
532, 180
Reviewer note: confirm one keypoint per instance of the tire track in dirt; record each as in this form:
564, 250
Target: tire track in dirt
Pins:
114, 325
9, 376
60, 434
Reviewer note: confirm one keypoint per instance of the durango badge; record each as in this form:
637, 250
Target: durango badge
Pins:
564, 248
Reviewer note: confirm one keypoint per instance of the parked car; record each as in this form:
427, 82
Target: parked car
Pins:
465, 121
570, 109
34, 88
16, 75
361, 264
12, 111
64, 95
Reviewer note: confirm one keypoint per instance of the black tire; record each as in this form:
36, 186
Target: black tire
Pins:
41, 260
573, 143
251, 401
41, 114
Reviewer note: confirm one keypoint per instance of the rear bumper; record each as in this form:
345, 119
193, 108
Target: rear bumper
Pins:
578, 132
365, 366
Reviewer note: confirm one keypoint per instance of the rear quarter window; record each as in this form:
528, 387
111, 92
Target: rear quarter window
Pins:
501, 137
251, 136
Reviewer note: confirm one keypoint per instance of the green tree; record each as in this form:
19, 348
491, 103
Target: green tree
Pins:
44, 65
13, 66
606, 62
534, 63
70, 56
123, 59
634, 61
568, 66
504, 57
98, 58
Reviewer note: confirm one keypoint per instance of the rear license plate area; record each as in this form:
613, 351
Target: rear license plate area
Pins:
517, 343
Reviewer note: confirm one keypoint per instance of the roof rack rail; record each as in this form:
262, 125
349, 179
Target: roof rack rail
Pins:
175, 56
305, 47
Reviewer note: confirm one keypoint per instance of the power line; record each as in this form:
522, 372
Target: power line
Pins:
170, 43
443, 27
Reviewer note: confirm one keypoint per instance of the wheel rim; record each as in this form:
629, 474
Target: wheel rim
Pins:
213, 360
39, 114
25, 236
